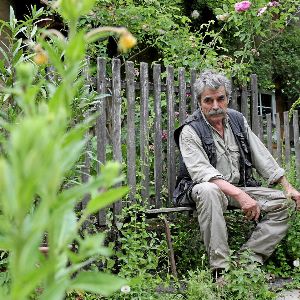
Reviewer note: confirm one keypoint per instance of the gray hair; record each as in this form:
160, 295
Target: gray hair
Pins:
213, 80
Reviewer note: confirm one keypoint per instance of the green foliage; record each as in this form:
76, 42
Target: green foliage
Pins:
245, 280
38, 151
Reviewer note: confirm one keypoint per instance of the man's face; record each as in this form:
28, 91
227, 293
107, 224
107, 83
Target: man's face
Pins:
213, 103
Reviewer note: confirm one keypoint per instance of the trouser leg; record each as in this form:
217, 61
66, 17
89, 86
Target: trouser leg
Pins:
210, 204
274, 223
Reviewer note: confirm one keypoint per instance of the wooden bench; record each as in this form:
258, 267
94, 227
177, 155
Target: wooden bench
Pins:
140, 115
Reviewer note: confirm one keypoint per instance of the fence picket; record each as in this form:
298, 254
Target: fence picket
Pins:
131, 144
287, 140
260, 128
194, 100
157, 135
144, 133
278, 142
171, 144
101, 125
244, 103
182, 95
116, 124
296, 142
254, 98
269, 133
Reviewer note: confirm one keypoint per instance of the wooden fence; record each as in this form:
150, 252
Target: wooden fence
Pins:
137, 118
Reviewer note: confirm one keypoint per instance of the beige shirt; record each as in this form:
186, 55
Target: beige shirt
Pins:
228, 166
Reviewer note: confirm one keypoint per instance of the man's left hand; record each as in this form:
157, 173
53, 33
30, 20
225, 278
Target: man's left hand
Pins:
295, 195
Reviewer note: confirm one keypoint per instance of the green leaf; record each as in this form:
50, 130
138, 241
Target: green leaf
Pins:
97, 282
105, 199
75, 50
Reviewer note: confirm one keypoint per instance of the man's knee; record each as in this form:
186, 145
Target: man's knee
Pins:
209, 193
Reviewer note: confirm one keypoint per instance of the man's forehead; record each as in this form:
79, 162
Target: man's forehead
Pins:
208, 91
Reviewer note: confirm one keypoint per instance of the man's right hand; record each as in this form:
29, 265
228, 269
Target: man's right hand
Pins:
249, 206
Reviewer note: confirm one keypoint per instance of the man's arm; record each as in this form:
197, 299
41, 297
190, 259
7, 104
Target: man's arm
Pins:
249, 206
290, 191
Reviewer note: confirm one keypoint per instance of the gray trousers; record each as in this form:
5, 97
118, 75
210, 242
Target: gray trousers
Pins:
211, 203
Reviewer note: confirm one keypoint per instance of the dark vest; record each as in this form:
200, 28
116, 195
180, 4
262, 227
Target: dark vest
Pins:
197, 122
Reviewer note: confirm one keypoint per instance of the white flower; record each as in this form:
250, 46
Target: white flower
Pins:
296, 263
125, 289
195, 14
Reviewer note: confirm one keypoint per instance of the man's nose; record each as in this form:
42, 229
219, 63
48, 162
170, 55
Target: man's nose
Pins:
215, 104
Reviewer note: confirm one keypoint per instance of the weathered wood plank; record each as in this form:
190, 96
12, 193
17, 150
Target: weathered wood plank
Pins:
287, 139
182, 95
278, 142
261, 128
116, 123
296, 142
131, 145
144, 131
244, 103
194, 100
234, 104
87, 160
254, 97
269, 133
171, 144
157, 135
168, 210
101, 125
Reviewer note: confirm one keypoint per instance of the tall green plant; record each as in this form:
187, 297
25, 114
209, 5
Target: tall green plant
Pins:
41, 148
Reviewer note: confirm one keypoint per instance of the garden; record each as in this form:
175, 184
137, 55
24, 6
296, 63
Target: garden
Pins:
85, 155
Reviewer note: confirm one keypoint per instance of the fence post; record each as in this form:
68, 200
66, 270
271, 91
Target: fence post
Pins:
171, 144
157, 135
194, 99
131, 145
279, 142
101, 125
296, 142
287, 140
254, 97
144, 133
116, 98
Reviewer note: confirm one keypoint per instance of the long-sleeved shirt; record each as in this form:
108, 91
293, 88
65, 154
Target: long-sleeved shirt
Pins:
227, 167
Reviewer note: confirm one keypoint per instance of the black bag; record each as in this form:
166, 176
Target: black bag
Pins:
182, 193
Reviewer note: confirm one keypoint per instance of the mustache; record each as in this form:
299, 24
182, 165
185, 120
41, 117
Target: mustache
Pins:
219, 111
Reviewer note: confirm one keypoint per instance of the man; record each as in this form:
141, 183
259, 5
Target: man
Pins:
219, 150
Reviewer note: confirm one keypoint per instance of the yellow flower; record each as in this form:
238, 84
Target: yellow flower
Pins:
41, 57
126, 42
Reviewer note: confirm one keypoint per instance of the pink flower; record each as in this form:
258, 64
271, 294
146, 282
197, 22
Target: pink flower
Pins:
261, 11
164, 135
273, 4
176, 114
242, 6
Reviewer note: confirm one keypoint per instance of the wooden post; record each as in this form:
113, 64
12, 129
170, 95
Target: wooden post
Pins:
101, 125
194, 103
116, 124
171, 144
269, 133
279, 142
296, 142
254, 97
131, 145
182, 95
144, 130
287, 139
157, 135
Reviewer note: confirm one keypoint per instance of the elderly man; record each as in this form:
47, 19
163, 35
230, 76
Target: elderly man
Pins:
219, 151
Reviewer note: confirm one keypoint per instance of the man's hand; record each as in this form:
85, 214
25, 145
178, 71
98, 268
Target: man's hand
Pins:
291, 192
295, 195
249, 206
